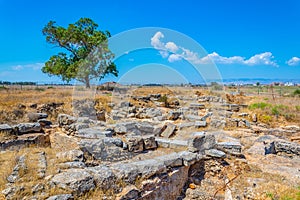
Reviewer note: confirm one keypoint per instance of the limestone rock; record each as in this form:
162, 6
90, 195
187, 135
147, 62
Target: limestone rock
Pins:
169, 129
34, 117
78, 181
72, 155
201, 142
24, 128
61, 197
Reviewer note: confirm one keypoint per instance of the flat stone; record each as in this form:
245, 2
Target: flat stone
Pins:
169, 130
5, 128
215, 153
103, 176
69, 165
230, 147
196, 106
174, 144
72, 155
201, 142
199, 124
23, 128
287, 147
78, 181
61, 197
188, 158
171, 160
93, 133
34, 117
193, 117
186, 125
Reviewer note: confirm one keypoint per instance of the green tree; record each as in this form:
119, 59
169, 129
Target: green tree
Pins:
86, 55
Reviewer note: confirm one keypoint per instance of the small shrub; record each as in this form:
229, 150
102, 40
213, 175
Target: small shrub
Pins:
266, 119
296, 92
39, 89
297, 108
164, 99
260, 105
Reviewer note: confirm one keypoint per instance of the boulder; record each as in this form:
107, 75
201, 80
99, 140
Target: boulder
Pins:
201, 142
135, 144
78, 181
145, 128
44, 122
106, 149
71, 165
34, 117
103, 176
126, 127
287, 147
24, 128
174, 115
150, 143
64, 119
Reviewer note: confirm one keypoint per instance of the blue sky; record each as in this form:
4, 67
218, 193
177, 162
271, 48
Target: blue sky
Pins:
244, 38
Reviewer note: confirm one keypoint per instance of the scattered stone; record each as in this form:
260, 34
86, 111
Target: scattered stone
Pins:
126, 127
42, 164
20, 166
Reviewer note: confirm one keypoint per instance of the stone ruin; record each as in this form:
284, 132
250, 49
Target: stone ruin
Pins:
144, 152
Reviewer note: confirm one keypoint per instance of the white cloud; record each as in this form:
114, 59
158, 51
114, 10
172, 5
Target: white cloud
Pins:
172, 47
34, 66
174, 58
17, 67
294, 61
174, 53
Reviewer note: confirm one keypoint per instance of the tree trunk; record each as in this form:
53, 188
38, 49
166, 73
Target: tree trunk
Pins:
87, 82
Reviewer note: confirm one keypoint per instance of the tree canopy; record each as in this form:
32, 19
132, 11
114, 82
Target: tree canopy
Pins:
86, 55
